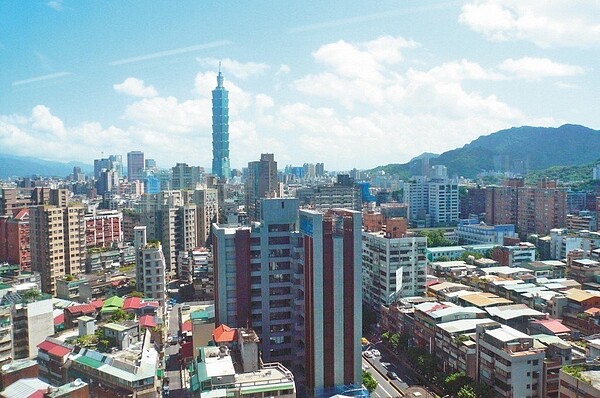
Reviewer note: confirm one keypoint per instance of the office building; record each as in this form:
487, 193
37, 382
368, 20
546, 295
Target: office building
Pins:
278, 278
220, 129
344, 194
475, 233
135, 165
57, 241
261, 183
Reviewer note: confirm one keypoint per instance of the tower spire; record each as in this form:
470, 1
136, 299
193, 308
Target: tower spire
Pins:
219, 77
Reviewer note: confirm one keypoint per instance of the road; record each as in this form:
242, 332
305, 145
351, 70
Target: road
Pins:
174, 372
384, 389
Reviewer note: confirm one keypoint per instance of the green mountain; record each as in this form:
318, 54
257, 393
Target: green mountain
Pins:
22, 166
518, 149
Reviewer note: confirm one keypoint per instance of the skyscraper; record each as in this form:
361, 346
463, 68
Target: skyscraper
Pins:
135, 165
261, 183
220, 110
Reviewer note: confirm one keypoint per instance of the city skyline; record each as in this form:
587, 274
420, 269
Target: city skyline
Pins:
321, 83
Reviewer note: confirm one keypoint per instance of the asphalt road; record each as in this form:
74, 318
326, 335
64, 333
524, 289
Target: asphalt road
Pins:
174, 372
384, 389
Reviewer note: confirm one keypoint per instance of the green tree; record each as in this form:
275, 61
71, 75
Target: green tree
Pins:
466, 255
121, 315
395, 340
135, 293
455, 381
369, 381
466, 392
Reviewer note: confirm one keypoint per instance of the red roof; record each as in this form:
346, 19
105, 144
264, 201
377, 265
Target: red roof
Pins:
149, 304
53, 348
81, 309
132, 303
224, 334
187, 326
60, 319
592, 311
98, 303
186, 349
147, 321
554, 325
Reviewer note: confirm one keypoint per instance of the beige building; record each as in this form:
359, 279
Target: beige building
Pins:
57, 243
207, 205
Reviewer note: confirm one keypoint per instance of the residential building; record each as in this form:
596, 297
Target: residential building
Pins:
6, 334
103, 228
32, 322
14, 239
185, 177
508, 361
513, 256
473, 203
214, 372
52, 357
344, 194
261, 183
150, 267
220, 129
392, 268
431, 202
207, 212
579, 383
135, 165
540, 210
57, 240
501, 203
481, 233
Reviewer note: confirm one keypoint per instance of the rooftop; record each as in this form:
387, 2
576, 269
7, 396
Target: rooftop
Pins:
462, 325
513, 311
484, 299
506, 333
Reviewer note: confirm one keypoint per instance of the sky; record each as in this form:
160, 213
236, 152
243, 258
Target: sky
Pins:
348, 83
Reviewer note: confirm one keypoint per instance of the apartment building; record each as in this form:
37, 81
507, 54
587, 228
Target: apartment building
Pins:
150, 267
508, 360
392, 268
261, 183
57, 242
207, 212
14, 239
103, 228
432, 202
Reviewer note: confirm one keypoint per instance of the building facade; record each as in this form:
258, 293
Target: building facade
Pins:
261, 183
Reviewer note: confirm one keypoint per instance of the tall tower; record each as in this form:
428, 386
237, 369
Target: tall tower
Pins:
220, 111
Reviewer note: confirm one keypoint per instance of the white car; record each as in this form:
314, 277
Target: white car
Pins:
365, 367
376, 353
368, 354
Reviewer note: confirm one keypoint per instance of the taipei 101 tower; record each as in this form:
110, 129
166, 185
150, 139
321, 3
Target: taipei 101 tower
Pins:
220, 129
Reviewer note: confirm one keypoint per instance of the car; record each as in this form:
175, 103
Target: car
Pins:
385, 364
169, 307
365, 367
368, 354
376, 353
392, 375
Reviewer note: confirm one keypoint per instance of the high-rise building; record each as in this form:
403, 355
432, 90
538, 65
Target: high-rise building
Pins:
261, 183
185, 177
57, 242
207, 205
220, 126
432, 202
135, 165
14, 239
331, 300
299, 288
392, 268
150, 267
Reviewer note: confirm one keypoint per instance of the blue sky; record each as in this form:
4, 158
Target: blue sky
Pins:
348, 83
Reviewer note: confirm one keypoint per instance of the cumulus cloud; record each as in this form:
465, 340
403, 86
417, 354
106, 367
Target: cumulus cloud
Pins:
538, 68
239, 70
136, 88
568, 23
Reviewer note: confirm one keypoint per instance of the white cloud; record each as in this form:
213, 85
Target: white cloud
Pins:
538, 68
283, 70
568, 23
55, 5
239, 70
168, 114
43, 120
136, 88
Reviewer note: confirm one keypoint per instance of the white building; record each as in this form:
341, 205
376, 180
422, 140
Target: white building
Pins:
508, 361
392, 268
432, 202
150, 267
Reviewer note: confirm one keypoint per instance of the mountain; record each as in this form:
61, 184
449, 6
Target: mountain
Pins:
22, 166
518, 149
424, 155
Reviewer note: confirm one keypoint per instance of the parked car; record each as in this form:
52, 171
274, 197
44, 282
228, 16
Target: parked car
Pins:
392, 375
368, 354
376, 353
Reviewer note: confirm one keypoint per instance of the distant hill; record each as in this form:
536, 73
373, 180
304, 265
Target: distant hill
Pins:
21, 166
518, 149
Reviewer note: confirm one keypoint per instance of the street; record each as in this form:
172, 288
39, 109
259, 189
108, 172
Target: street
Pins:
173, 365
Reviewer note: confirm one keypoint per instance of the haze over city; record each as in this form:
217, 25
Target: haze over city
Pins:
357, 84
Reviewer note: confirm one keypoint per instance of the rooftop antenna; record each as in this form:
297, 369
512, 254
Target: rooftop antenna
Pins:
219, 77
